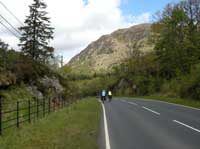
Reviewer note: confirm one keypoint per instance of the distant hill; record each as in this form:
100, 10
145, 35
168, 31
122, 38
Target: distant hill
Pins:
112, 49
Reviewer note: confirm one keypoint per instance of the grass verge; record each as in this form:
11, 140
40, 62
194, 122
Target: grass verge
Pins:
180, 101
74, 127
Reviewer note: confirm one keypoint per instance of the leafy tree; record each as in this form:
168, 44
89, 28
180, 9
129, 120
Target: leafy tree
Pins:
192, 10
177, 46
37, 33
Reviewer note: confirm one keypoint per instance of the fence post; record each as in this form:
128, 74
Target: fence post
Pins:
54, 105
43, 107
29, 111
64, 102
17, 114
37, 102
49, 105
58, 104
0, 115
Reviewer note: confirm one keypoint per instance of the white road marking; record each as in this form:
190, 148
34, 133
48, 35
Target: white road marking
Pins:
132, 103
106, 129
123, 101
151, 110
179, 105
186, 125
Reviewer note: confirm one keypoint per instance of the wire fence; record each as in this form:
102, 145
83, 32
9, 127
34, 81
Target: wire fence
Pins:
14, 114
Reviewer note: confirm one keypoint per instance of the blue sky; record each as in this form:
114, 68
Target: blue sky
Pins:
137, 7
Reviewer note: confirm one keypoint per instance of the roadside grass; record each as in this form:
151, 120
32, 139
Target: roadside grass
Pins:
180, 101
74, 127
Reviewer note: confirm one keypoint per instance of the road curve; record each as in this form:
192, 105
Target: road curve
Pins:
149, 124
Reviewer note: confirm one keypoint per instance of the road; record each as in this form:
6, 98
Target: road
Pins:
149, 124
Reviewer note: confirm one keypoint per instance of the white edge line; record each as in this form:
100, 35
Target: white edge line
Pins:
106, 129
186, 125
151, 110
179, 105
132, 103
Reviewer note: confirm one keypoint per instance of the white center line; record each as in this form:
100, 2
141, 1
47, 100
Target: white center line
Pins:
132, 103
151, 110
106, 129
186, 125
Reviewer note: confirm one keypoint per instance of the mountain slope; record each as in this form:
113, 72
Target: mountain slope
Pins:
110, 50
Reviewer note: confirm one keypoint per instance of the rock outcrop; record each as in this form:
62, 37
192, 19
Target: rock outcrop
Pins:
111, 50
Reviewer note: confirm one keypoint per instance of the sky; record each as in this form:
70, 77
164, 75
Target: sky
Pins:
79, 22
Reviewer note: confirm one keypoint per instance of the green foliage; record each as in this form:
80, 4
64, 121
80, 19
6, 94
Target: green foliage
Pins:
170, 88
7, 78
170, 70
68, 73
93, 86
18, 69
177, 47
3, 50
37, 32
141, 72
15, 93
190, 84
27, 70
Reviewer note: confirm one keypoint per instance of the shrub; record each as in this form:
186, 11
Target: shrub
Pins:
190, 84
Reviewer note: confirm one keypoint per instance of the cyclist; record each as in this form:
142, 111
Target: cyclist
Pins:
110, 95
103, 96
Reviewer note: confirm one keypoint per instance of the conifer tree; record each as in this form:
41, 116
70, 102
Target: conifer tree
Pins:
37, 33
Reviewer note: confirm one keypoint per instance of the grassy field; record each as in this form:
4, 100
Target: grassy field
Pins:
185, 102
75, 127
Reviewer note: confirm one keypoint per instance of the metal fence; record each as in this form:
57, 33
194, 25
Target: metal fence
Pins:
14, 114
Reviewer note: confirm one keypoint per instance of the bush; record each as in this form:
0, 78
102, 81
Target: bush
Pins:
170, 88
190, 84
7, 79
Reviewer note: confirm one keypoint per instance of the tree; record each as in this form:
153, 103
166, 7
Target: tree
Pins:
177, 46
3, 53
3, 45
37, 33
192, 10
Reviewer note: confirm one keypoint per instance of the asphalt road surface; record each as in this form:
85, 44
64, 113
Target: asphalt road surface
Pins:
148, 124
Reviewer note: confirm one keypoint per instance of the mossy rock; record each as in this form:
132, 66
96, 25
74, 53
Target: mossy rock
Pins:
7, 79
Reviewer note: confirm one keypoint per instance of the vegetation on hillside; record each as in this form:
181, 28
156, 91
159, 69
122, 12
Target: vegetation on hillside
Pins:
110, 50
171, 69
30, 73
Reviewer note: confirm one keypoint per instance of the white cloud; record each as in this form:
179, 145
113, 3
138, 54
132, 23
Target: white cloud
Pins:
76, 22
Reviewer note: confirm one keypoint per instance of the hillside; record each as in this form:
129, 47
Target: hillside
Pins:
110, 50
22, 78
